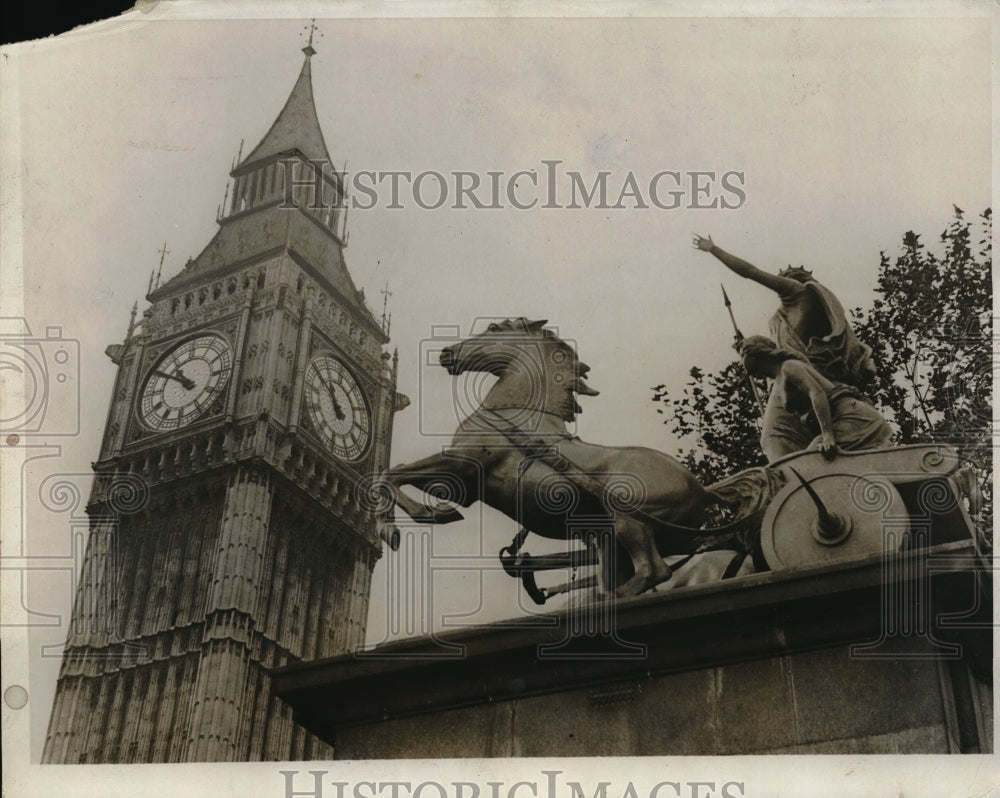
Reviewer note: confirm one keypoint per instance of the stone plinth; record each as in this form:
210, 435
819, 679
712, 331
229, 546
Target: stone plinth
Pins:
853, 657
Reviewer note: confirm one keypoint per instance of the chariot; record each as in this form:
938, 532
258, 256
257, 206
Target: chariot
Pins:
805, 510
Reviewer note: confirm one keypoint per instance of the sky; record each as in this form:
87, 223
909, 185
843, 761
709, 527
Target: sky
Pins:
847, 134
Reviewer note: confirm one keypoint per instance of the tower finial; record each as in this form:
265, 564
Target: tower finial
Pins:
131, 321
386, 293
163, 253
308, 49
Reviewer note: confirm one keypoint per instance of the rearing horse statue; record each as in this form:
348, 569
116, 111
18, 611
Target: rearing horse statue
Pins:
515, 453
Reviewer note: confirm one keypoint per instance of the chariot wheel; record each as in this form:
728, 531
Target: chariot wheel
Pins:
832, 517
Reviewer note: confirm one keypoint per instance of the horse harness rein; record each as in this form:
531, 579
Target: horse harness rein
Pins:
547, 454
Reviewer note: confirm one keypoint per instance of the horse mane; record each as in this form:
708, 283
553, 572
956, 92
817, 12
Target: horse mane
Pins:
568, 407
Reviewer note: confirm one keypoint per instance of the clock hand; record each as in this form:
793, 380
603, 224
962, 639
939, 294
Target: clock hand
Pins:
337, 410
186, 382
179, 376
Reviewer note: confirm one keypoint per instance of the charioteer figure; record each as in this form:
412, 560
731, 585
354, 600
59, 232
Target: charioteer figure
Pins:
838, 415
811, 322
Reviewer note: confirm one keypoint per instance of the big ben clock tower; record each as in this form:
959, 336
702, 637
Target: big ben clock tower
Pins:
248, 403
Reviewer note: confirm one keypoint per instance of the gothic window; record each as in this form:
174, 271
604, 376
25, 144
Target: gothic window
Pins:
188, 299
260, 280
298, 285
202, 296
174, 306
231, 288
216, 291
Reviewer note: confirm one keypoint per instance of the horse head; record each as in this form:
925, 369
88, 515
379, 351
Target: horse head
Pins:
537, 369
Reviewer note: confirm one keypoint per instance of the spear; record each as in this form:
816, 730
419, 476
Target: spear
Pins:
739, 337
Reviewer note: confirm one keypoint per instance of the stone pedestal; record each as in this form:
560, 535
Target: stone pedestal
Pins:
821, 659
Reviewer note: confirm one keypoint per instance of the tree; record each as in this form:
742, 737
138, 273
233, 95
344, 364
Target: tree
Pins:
930, 329
931, 332
718, 415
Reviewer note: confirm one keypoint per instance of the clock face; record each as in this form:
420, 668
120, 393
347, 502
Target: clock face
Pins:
185, 382
337, 407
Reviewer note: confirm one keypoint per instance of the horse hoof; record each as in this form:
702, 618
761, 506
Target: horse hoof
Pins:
446, 514
661, 577
634, 589
391, 537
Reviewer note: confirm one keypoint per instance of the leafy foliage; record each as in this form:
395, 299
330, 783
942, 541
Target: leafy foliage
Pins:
930, 330
719, 414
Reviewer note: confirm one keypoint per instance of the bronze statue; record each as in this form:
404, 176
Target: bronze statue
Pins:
635, 505
835, 414
515, 454
810, 321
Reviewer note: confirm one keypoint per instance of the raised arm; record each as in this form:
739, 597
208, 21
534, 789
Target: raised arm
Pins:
784, 286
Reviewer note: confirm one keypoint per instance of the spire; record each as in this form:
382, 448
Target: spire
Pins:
308, 49
253, 204
297, 126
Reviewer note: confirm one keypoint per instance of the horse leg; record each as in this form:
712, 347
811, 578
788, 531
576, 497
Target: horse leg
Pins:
422, 474
421, 513
650, 569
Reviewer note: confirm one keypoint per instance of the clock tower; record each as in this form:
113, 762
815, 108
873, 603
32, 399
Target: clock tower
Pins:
226, 535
